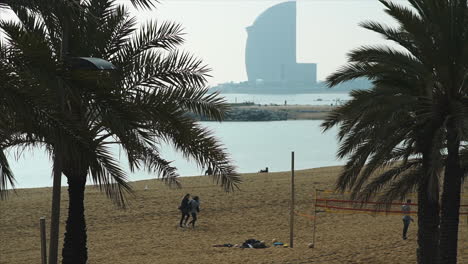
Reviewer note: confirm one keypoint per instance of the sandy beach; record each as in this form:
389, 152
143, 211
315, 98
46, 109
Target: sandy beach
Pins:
147, 231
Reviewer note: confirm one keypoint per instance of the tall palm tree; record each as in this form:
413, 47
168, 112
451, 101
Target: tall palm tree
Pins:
418, 80
145, 102
452, 74
379, 133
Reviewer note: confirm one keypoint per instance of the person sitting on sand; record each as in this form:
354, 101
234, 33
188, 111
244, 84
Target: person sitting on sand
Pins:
194, 206
209, 171
265, 170
185, 210
406, 218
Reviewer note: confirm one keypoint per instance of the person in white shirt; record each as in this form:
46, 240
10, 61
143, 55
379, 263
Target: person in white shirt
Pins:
406, 209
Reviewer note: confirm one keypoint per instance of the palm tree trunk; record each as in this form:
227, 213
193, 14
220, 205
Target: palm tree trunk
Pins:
450, 199
74, 246
428, 214
428, 227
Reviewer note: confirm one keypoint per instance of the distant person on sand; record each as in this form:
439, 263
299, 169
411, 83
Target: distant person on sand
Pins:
265, 170
194, 206
185, 210
406, 218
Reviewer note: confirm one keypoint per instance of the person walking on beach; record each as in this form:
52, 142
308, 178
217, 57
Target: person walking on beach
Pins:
185, 210
406, 217
194, 206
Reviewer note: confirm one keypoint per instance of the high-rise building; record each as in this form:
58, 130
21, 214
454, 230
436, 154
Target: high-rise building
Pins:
270, 54
270, 59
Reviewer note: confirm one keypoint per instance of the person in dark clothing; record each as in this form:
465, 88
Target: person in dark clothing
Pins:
209, 171
194, 206
185, 210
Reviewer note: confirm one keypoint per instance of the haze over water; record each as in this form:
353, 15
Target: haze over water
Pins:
252, 145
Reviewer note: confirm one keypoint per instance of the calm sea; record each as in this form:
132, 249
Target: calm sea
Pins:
252, 145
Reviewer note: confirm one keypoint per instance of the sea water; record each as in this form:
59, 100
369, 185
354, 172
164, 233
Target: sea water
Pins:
252, 146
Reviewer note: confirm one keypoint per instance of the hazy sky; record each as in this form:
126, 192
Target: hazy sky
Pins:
215, 30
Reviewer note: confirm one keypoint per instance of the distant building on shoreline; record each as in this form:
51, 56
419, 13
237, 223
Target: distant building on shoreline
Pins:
270, 58
270, 52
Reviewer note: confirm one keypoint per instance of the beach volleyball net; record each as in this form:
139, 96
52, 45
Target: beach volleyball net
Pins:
329, 201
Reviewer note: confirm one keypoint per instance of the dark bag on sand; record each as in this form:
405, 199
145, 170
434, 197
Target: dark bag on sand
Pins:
259, 245
253, 243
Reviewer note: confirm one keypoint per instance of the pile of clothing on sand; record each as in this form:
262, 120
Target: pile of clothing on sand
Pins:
249, 243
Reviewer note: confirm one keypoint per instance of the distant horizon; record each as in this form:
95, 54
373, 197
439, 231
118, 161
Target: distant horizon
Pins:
215, 31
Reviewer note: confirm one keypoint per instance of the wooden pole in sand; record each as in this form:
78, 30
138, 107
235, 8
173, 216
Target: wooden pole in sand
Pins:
58, 160
43, 240
291, 216
315, 219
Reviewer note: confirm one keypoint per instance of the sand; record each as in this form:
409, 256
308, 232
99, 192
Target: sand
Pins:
148, 232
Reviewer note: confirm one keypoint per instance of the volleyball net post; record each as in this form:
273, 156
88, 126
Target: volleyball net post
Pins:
315, 219
291, 213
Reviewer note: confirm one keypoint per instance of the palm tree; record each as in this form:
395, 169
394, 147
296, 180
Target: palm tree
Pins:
379, 133
147, 101
449, 21
452, 18
418, 81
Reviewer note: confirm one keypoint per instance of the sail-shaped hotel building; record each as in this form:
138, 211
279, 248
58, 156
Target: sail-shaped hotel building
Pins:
270, 54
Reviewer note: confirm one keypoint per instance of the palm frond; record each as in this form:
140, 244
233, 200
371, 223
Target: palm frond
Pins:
199, 144
388, 57
191, 99
416, 35
151, 36
7, 178
156, 69
401, 188
144, 3
153, 163
120, 26
386, 178
106, 173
